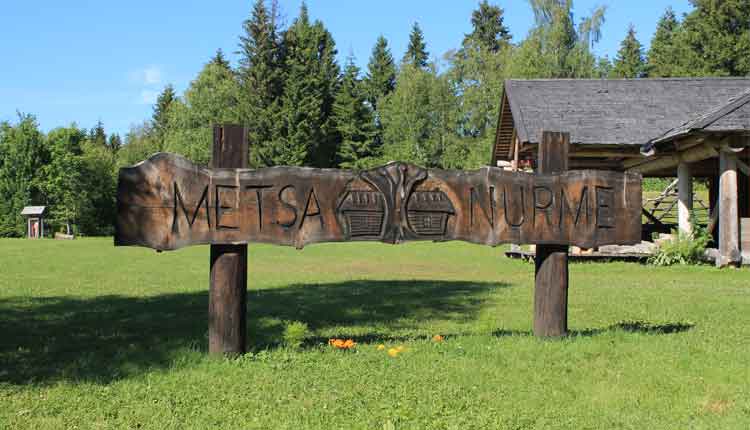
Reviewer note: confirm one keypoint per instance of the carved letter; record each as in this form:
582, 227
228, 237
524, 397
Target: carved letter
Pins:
583, 204
289, 205
220, 209
259, 201
190, 221
474, 199
314, 211
507, 207
545, 207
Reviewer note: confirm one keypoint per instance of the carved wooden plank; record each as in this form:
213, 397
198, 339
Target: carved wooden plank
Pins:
167, 202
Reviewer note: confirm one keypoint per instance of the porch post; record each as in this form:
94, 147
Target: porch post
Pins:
729, 231
685, 192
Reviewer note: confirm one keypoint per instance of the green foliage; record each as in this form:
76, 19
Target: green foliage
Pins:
160, 117
488, 29
416, 52
140, 144
663, 56
212, 98
295, 333
554, 47
354, 120
261, 75
683, 248
22, 156
381, 73
629, 62
306, 133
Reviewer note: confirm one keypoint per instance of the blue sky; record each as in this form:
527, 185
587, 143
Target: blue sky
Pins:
82, 61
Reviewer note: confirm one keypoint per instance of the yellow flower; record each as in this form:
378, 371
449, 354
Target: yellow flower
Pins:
381, 347
342, 344
400, 348
437, 338
393, 352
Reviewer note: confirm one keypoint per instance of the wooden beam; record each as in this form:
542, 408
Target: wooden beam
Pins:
227, 299
729, 252
667, 161
685, 197
551, 261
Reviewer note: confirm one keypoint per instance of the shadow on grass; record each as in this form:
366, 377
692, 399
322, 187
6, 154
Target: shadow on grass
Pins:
628, 326
102, 339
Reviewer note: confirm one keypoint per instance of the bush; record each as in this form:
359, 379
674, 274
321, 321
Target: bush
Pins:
683, 248
295, 333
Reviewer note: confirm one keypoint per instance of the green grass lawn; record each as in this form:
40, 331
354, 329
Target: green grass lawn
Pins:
93, 336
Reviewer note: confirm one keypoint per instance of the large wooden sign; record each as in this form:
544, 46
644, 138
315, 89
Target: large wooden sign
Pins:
166, 202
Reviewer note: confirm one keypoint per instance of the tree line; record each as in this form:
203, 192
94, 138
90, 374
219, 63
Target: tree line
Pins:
302, 108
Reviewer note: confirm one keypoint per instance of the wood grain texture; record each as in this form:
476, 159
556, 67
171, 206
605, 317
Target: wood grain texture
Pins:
227, 296
551, 261
167, 203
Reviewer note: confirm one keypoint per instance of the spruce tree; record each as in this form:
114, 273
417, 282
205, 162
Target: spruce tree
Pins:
629, 62
715, 38
353, 119
381, 72
114, 143
488, 28
663, 57
416, 52
160, 118
220, 60
97, 135
307, 134
261, 79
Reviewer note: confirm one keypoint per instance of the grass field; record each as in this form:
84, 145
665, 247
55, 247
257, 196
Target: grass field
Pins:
93, 336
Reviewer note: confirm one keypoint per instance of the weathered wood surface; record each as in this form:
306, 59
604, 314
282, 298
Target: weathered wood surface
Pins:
227, 295
167, 202
551, 261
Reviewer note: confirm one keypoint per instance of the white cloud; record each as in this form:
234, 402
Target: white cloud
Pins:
150, 75
148, 97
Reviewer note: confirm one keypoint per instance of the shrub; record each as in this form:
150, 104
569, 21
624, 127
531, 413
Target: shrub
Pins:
683, 248
295, 333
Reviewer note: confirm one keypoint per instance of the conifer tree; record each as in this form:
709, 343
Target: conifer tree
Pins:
261, 79
114, 143
307, 134
488, 28
715, 39
353, 119
381, 72
663, 57
160, 118
97, 135
416, 52
629, 62
220, 60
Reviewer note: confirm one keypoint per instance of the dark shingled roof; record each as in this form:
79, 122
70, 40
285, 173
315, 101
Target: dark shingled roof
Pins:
618, 111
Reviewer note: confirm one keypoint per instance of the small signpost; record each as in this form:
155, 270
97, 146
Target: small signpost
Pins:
167, 202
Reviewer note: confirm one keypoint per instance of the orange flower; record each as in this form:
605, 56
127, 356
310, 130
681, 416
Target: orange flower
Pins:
437, 338
342, 344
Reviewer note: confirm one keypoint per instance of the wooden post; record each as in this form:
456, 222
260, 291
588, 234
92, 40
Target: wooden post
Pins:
551, 261
729, 232
227, 300
685, 197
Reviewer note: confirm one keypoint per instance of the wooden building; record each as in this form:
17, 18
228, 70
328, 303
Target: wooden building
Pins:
34, 221
682, 127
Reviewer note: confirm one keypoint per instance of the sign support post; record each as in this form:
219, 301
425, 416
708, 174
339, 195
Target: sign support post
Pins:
551, 261
227, 299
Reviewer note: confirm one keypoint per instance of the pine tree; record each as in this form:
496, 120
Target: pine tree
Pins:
261, 78
715, 39
629, 62
488, 28
307, 134
353, 119
381, 73
663, 58
416, 52
114, 143
97, 135
220, 60
160, 117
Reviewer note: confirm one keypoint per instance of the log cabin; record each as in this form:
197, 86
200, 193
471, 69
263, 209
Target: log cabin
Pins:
673, 127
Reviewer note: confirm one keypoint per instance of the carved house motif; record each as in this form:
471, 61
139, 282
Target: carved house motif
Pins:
428, 212
363, 213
